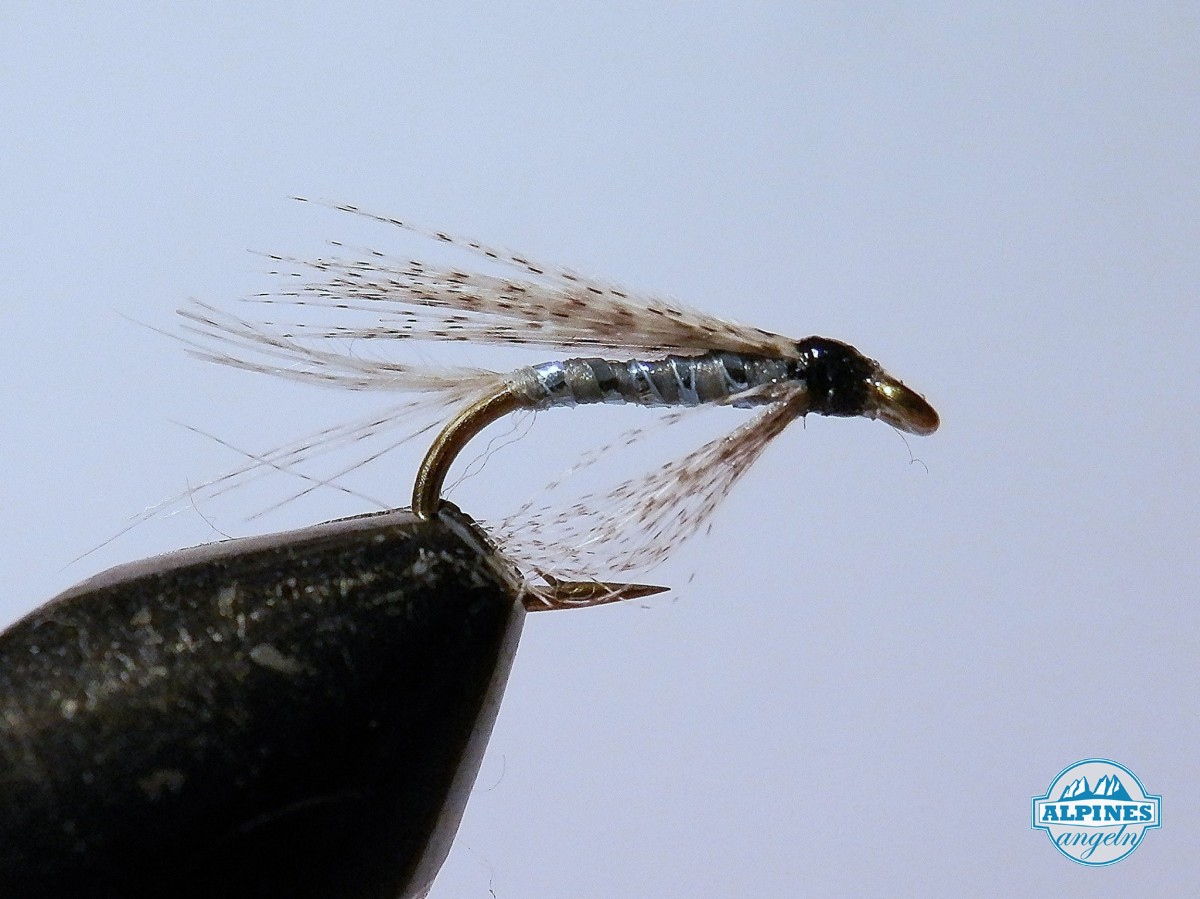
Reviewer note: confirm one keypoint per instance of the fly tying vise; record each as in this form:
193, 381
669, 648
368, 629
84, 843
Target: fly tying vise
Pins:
707, 361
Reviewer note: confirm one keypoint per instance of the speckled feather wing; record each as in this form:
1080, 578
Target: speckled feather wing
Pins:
379, 297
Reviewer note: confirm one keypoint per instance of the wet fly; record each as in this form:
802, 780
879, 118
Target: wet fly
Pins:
648, 352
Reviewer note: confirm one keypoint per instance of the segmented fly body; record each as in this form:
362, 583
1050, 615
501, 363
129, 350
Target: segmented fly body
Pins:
671, 356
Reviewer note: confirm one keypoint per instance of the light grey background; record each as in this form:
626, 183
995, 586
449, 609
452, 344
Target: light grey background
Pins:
877, 663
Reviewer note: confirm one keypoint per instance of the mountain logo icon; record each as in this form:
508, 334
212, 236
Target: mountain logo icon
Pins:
1096, 812
1106, 788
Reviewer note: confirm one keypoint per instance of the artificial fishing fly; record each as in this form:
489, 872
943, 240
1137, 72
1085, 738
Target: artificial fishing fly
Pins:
697, 360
